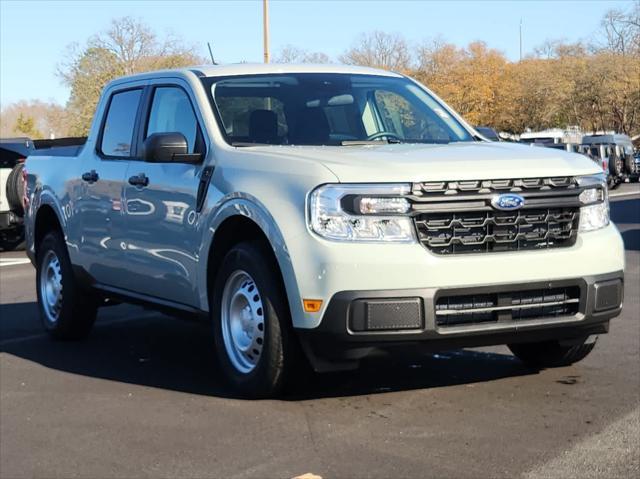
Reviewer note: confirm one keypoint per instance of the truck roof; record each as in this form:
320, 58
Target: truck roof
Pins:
237, 69
607, 138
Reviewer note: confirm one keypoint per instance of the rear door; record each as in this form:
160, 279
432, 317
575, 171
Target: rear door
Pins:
99, 198
161, 217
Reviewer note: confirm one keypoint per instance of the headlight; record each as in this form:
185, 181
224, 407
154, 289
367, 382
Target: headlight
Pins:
595, 198
365, 213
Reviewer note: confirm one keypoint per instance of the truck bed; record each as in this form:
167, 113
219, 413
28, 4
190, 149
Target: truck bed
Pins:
59, 147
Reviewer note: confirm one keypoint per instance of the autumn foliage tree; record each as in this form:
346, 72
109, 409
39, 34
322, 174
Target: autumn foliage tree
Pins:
25, 125
596, 86
35, 119
127, 47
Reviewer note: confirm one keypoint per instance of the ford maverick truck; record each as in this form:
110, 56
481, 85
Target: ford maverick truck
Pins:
320, 214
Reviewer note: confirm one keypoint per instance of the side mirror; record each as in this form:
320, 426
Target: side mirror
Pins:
168, 147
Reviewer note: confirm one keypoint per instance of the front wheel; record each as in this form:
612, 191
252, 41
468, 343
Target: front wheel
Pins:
251, 322
67, 311
552, 354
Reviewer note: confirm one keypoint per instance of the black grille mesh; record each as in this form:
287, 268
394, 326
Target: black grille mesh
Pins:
454, 217
486, 231
456, 310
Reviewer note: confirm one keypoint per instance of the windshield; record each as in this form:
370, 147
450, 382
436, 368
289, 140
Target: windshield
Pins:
329, 109
488, 133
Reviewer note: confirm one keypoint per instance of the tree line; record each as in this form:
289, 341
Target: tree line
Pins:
594, 85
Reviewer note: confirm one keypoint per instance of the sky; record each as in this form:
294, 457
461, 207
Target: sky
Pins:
34, 35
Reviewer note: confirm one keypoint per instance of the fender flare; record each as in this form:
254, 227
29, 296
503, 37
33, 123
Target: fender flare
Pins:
40, 198
242, 204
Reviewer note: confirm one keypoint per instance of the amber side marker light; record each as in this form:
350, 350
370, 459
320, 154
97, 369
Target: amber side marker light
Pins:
312, 305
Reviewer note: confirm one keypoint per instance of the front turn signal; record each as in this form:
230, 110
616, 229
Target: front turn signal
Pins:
312, 305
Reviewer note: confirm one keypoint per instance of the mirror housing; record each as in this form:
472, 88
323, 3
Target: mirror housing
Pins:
170, 147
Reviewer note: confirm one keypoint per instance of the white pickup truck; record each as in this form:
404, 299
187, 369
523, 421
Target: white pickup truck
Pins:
320, 213
13, 152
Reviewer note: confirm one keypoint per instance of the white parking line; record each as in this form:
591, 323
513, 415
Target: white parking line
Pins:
13, 261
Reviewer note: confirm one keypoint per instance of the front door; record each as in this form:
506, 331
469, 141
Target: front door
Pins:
161, 218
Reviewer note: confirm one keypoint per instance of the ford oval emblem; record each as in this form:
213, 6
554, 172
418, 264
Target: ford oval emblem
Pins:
507, 202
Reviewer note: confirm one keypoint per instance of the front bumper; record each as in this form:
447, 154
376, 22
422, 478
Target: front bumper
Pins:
323, 269
343, 337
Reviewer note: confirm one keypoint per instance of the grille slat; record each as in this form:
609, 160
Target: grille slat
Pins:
511, 185
468, 224
446, 233
457, 310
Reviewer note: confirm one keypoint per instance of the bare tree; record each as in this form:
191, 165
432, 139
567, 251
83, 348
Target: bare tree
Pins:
622, 30
389, 51
292, 54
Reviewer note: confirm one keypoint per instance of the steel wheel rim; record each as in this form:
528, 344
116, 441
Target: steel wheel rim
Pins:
242, 319
51, 287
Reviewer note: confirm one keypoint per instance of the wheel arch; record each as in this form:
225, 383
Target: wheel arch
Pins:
243, 220
46, 220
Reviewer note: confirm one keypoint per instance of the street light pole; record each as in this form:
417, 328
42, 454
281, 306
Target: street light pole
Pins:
265, 29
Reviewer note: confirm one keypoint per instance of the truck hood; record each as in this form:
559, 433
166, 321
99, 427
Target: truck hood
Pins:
454, 161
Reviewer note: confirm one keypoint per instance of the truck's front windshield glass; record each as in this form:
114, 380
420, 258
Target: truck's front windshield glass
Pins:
329, 109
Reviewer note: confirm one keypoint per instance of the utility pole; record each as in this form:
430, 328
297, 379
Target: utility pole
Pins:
520, 39
265, 29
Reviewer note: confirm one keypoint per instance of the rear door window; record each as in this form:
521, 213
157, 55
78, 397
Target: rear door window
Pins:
117, 133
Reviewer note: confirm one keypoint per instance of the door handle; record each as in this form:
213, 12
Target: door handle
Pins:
139, 180
90, 176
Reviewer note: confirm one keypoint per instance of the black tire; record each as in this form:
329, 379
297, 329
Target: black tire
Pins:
15, 190
75, 308
551, 354
279, 353
630, 164
616, 165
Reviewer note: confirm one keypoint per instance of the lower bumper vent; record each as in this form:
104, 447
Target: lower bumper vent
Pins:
508, 306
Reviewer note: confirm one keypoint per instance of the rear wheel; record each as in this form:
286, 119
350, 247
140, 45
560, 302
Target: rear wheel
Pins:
251, 322
552, 354
67, 311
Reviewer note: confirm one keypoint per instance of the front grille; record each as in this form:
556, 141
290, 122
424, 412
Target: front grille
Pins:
486, 231
457, 310
457, 217
501, 186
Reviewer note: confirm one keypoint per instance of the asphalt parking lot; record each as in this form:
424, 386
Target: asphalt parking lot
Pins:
142, 397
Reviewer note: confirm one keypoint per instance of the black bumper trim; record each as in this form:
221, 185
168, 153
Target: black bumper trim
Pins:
335, 345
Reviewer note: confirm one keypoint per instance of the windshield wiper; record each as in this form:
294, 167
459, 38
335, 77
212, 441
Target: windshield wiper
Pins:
388, 141
244, 144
